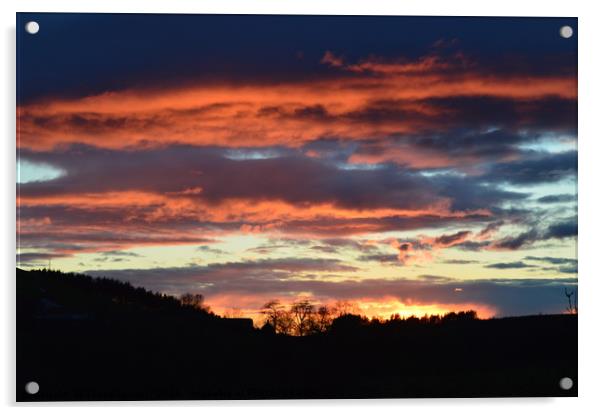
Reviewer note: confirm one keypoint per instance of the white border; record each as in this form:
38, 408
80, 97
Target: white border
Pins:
590, 175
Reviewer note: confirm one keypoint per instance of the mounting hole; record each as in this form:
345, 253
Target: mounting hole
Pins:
566, 383
32, 388
566, 31
32, 28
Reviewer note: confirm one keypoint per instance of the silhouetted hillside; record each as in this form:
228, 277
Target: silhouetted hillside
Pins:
82, 338
79, 299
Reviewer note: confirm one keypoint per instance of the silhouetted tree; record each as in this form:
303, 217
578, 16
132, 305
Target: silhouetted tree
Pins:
460, 316
343, 307
323, 318
467, 315
268, 329
348, 323
572, 308
194, 301
302, 312
271, 311
286, 322
278, 317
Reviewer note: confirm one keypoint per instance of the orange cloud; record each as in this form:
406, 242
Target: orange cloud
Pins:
165, 207
285, 114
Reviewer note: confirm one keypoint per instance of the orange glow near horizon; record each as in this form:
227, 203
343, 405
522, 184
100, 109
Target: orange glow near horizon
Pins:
386, 307
382, 308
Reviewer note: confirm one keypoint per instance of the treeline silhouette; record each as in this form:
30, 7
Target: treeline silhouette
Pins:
84, 338
305, 318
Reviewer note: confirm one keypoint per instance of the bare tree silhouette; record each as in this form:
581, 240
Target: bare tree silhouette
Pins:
343, 307
323, 318
194, 300
271, 311
572, 308
302, 312
278, 317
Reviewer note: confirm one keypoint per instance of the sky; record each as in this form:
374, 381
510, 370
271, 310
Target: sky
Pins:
410, 165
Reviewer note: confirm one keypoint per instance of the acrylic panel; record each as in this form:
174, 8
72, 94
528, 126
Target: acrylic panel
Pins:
274, 207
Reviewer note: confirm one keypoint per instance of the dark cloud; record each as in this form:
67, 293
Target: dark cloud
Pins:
347, 243
460, 261
287, 264
107, 237
455, 124
562, 265
334, 149
563, 198
265, 49
470, 142
325, 249
468, 193
535, 168
490, 229
435, 278
348, 227
311, 112
566, 229
517, 242
110, 259
509, 265
383, 111
65, 239
382, 258
217, 177
552, 260
569, 269
549, 113
120, 254
178, 169
510, 297
452, 239
558, 230
207, 248
229, 276
473, 245
38, 257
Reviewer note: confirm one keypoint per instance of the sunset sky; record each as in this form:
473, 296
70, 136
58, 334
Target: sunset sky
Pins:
408, 164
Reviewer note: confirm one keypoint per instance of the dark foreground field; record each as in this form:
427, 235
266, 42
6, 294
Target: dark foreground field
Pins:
87, 339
